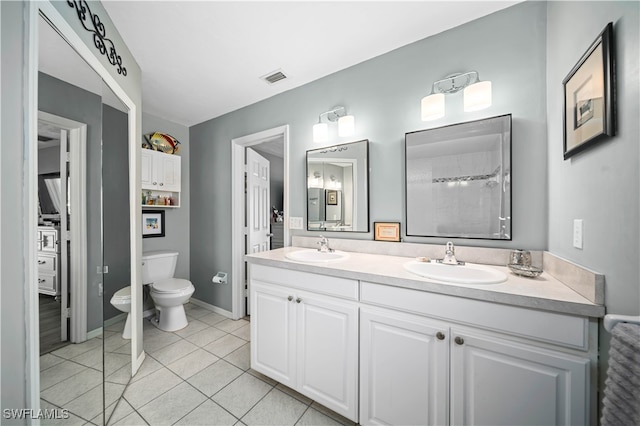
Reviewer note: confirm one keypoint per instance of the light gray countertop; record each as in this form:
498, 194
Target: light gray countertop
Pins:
544, 292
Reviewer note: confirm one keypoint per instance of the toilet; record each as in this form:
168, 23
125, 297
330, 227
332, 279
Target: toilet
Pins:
169, 294
121, 300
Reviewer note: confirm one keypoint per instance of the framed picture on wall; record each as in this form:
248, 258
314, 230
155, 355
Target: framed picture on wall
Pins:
332, 198
589, 104
152, 223
386, 231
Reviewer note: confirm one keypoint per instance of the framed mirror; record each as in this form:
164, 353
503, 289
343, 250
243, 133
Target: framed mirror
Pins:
458, 180
338, 188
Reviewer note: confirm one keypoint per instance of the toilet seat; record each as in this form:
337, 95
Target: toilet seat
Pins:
171, 285
122, 295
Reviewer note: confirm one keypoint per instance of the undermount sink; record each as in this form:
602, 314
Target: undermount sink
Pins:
313, 255
459, 274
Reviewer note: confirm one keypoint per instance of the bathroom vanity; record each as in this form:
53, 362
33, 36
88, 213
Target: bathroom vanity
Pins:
378, 344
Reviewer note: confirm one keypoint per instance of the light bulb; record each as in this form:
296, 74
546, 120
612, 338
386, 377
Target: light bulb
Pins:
433, 107
320, 132
346, 125
477, 96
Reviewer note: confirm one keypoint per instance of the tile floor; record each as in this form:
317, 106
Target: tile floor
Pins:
199, 375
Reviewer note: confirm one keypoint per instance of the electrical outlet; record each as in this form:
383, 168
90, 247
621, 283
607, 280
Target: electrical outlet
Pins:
577, 233
295, 223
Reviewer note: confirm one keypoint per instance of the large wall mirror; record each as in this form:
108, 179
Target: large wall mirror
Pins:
338, 188
84, 210
458, 180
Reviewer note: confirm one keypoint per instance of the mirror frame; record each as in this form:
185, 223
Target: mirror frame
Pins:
64, 19
368, 186
465, 124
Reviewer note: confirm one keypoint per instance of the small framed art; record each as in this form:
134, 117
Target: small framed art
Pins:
589, 104
152, 223
386, 231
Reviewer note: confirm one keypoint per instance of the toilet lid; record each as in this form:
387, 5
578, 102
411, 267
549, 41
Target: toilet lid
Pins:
171, 285
123, 294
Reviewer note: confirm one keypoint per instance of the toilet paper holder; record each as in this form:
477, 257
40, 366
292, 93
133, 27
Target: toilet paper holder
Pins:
220, 278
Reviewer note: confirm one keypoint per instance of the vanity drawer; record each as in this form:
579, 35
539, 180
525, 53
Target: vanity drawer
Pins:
322, 284
47, 283
558, 329
47, 264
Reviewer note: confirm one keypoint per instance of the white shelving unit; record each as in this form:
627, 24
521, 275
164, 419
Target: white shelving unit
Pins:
161, 178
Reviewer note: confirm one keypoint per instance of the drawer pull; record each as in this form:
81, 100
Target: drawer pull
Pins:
41, 262
459, 340
40, 280
440, 335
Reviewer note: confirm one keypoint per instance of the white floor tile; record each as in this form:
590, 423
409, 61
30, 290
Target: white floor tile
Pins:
212, 318
313, 417
277, 408
49, 360
193, 327
215, 377
242, 394
224, 345
173, 352
206, 336
208, 414
243, 332
193, 363
172, 406
62, 371
230, 325
150, 387
73, 387
241, 357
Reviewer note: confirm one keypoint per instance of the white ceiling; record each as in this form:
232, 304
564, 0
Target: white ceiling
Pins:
202, 59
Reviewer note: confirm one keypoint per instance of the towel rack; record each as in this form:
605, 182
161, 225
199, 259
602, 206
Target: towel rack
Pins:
610, 320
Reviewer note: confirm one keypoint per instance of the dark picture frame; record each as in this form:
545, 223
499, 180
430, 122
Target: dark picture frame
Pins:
386, 231
589, 90
152, 223
332, 197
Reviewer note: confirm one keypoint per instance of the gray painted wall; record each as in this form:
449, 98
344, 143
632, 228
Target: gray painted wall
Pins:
115, 186
49, 160
384, 94
13, 373
601, 185
177, 220
65, 100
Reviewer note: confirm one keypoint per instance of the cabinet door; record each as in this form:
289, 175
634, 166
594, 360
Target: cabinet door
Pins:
498, 382
48, 284
327, 352
169, 172
404, 369
273, 332
146, 168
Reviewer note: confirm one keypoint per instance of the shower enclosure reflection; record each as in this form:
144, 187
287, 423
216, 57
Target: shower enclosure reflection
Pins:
458, 180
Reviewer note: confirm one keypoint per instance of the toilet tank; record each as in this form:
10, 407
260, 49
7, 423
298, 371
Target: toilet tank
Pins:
157, 265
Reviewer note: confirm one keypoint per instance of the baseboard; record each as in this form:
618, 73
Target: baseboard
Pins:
120, 317
212, 308
94, 333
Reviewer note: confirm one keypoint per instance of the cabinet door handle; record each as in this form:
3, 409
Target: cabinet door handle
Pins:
41, 262
155, 183
459, 340
440, 335
161, 183
298, 300
40, 280
290, 298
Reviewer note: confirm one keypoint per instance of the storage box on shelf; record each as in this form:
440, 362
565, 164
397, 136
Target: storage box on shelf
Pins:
161, 179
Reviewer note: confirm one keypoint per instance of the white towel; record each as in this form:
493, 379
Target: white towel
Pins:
621, 402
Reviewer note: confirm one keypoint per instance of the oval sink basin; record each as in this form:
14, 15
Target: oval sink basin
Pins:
313, 255
460, 274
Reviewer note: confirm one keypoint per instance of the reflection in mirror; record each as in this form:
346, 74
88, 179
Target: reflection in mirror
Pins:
458, 180
70, 127
338, 188
116, 245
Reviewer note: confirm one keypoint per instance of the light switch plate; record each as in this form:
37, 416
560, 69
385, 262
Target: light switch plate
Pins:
295, 223
577, 233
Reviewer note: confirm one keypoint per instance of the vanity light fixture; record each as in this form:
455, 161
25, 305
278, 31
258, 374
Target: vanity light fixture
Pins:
346, 124
477, 94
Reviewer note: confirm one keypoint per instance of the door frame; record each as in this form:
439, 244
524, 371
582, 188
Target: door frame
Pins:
78, 223
238, 206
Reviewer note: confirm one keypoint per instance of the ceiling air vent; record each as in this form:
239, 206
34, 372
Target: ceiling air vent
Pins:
274, 77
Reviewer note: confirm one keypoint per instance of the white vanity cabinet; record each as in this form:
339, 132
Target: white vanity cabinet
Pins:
48, 260
304, 334
161, 174
434, 359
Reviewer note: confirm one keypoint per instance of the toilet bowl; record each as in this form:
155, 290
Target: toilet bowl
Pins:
169, 296
121, 300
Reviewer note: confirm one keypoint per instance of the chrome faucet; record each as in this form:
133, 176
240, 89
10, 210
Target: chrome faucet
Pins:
450, 255
324, 245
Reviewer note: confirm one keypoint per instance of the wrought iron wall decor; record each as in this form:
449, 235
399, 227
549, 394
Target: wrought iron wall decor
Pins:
93, 24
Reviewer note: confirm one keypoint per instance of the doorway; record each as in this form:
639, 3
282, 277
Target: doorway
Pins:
271, 142
64, 264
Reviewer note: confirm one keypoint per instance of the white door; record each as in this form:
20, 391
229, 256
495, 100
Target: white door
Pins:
327, 352
64, 234
404, 369
498, 382
273, 332
257, 210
